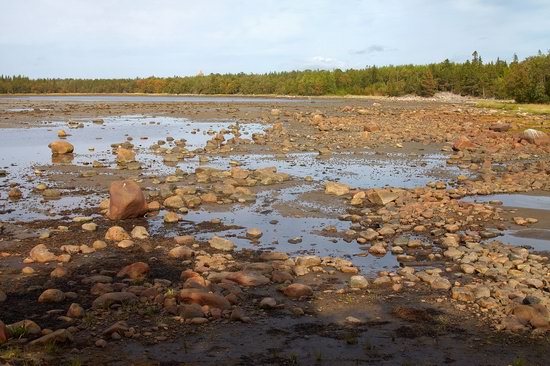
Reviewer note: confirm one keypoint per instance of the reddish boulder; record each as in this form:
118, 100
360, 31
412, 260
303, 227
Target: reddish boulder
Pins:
198, 296
127, 201
297, 290
134, 271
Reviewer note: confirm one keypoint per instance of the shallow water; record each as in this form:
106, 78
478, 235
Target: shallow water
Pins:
362, 169
538, 239
155, 99
276, 235
30, 145
21, 149
515, 200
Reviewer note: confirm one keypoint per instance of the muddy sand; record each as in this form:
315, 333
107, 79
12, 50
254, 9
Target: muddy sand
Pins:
295, 231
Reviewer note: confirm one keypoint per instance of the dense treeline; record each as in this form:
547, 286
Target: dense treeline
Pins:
525, 81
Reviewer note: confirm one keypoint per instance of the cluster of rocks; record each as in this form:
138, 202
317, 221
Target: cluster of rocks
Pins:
507, 284
213, 186
214, 287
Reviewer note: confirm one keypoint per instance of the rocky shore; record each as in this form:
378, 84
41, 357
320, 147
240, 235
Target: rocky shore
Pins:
136, 253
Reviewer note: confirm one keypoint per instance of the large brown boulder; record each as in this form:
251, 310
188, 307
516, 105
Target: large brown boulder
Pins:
61, 147
127, 201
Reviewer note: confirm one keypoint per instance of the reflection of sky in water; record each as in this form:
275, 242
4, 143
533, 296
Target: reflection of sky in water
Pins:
30, 146
515, 238
515, 200
23, 148
364, 170
276, 236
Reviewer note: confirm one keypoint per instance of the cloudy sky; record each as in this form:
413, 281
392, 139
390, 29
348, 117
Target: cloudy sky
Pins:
130, 38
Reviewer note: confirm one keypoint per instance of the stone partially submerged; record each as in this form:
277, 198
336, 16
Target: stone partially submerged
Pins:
61, 147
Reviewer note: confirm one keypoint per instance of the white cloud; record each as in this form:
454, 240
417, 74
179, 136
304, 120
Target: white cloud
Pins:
321, 62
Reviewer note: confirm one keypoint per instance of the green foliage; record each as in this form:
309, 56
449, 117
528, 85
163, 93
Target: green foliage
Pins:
527, 81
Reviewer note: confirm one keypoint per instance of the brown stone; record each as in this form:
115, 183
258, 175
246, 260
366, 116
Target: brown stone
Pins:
126, 200
125, 155
197, 296
134, 271
463, 143
3, 332
381, 196
297, 290
61, 147
116, 233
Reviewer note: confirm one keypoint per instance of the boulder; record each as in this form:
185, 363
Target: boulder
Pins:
116, 233
336, 189
358, 282
248, 278
139, 232
254, 233
221, 244
463, 143
52, 296
535, 137
135, 271
126, 200
181, 252
381, 196
201, 297
41, 254
61, 147
274, 256
536, 315
174, 202
462, 294
109, 298
124, 156
297, 290
30, 327
268, 303
75, 311
500, 127
58, 336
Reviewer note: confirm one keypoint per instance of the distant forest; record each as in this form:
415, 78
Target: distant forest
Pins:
526, 81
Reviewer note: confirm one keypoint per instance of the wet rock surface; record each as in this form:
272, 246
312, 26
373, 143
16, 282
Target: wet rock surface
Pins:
334, 232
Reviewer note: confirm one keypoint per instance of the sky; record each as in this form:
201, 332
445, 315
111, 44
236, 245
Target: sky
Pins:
139, 38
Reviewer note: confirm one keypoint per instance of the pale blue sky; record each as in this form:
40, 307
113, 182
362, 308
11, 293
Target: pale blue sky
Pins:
129, 38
